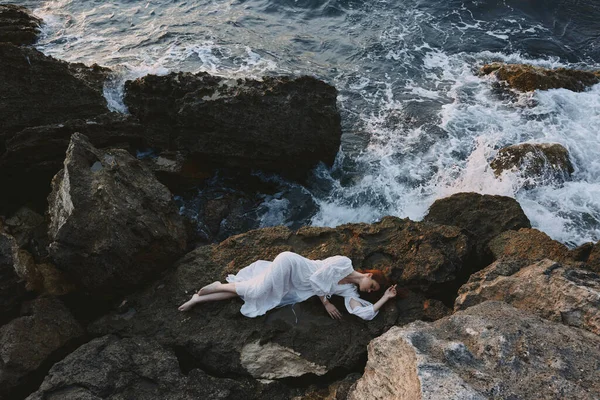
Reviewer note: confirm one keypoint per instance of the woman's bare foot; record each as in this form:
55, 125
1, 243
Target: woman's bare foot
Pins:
208, 289
190, 303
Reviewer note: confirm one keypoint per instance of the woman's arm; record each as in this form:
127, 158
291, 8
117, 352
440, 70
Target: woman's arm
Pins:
331, 309
390, 293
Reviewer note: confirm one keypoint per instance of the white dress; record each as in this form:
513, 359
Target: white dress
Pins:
291, 278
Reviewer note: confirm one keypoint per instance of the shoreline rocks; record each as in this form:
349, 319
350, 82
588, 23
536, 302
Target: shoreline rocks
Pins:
18, 26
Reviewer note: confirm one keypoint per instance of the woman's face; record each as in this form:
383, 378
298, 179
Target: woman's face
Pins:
368, 284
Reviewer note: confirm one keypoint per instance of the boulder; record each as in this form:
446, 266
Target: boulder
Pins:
44, 334
546, 288
114, 368
527, 244
593, 262
491, 350
112, 224
30, 230
483, 216
40, 90
527, 78
17, 25
300, 340
12, 287
278, 124
34, 155
538, 163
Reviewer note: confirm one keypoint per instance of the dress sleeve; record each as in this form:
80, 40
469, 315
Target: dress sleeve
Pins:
334, 269
364, 311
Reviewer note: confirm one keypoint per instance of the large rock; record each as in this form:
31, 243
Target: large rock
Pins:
539, 163
491, 350
296, 340
40, 90
113, 225
484, 216
36, 154
593, 262
12, 287
277, 124
43, 335
17, 25
138, 368
546, 288
528, 78
528, 244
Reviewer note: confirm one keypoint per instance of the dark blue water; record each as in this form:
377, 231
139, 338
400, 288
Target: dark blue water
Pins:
418, 123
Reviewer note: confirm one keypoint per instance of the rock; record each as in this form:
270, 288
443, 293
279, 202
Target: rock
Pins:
36, 154
113, 368
44, 334
30, 230
222, 122
176, 171
593, 262
40, 90
112, 224
527, 244
546, 288
336, 391
12, 287
527, 78
484, 216
294, 340
491, 350
539, 163
17, 25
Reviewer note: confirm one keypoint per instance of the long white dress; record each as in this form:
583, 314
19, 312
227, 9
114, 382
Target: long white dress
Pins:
291, 278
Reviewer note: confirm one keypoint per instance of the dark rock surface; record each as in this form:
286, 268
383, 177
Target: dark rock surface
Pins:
540, 163
277, 124
546, 288
528, 244
12, 287
113, 225
45, 332
138, 368
221, 341
491, 350
484, 216
527, 78
17, 25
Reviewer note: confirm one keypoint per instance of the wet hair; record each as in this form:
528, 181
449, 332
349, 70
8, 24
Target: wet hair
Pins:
378, 276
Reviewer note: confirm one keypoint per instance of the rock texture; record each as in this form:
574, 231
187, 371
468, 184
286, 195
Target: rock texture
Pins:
491, 350
546, 288
593, 262
539, 163
483, 216
528, 78
527, 244
113, 225
277, 124
219, 340
17, 25
44, 333
141, 369
12, 287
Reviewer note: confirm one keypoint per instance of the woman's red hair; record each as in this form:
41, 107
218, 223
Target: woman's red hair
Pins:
378, 276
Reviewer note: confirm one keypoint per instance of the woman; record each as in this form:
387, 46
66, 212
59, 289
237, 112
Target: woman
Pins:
291, 278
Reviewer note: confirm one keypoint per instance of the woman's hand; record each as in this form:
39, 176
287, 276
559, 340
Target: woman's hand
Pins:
332, 310
390, 293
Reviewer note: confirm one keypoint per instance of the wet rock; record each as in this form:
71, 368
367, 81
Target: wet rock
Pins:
113, 225
491, 350
40, 90
540, 163
527, 244
12, 287
221, 341
17, 25
223, 122
546, 288
36, 154
176, 171
483, 216
593, 262
44, 334
528, 78
113, 368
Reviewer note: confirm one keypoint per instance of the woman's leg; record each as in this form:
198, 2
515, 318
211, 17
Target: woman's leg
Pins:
217, 287
204, 299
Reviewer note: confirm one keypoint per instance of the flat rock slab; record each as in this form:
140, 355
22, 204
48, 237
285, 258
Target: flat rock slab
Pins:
546, 288
491, 350
112, 224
